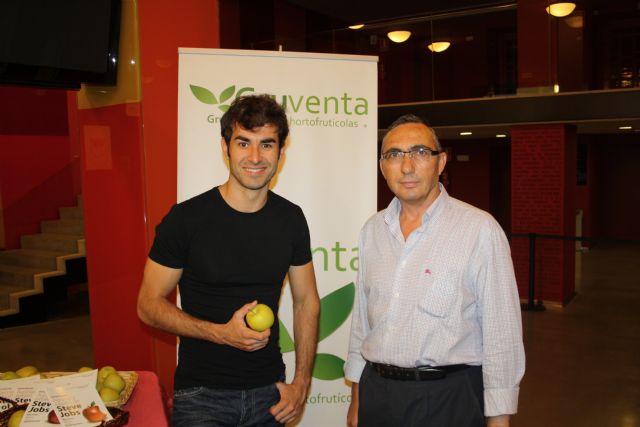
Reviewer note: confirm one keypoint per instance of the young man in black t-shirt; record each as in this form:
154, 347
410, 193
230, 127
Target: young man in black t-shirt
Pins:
229, 248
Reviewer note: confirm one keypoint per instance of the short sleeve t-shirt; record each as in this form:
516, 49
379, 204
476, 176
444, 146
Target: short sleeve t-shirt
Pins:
229, 259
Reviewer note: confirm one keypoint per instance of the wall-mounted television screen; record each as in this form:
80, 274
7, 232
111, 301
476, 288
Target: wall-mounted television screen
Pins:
59, 43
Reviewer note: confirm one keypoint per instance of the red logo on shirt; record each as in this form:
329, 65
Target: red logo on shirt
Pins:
427, 271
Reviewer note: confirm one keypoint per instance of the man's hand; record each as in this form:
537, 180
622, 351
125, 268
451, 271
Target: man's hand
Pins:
292, 397
352, 414
236, 333
498, 421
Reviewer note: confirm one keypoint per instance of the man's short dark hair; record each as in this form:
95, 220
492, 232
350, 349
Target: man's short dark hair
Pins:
253, 111
412, 118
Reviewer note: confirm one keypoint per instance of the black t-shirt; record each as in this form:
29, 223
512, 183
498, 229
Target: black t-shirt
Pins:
229, 259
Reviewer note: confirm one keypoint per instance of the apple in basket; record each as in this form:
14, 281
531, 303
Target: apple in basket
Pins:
93, 413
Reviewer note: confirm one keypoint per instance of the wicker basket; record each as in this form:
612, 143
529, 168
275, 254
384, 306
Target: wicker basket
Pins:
120, 418
130, 379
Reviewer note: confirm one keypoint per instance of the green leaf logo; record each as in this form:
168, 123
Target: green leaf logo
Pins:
286, 343
203, 94
328, 367
206, 96
226, 94
334, 310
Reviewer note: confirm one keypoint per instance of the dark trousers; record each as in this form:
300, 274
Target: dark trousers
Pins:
454, 401
207, 407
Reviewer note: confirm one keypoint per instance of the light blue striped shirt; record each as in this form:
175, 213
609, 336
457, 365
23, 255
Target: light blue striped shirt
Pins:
445, 296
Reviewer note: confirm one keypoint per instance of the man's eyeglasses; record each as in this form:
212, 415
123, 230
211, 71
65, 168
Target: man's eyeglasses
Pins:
417, 154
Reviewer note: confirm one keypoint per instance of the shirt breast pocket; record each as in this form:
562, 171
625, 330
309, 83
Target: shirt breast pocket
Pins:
439, 294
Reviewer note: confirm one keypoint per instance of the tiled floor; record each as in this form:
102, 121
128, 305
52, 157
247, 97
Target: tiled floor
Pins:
583, 361
61, 344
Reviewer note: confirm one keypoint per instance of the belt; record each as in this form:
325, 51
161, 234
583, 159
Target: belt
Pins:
421, 373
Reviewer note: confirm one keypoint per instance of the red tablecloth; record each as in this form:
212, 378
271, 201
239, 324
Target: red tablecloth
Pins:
146, 405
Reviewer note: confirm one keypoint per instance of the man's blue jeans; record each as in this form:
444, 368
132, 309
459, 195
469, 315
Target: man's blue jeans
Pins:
206, 407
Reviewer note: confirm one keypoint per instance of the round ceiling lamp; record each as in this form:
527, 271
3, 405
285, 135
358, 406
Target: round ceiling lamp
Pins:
438, 47
399, 36
560, 10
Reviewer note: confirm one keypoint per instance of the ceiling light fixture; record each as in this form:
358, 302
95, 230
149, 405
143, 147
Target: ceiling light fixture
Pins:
501, 135
438, 47
560, 10
466, 133
625, 127
399, 36
356, 26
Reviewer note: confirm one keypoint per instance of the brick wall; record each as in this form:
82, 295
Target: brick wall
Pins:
543, 202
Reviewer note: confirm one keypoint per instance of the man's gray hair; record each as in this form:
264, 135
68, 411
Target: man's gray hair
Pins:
411, 118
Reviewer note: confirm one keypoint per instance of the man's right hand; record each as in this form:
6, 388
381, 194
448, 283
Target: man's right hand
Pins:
237, 334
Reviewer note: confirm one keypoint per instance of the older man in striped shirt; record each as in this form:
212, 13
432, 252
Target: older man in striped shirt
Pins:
436, 335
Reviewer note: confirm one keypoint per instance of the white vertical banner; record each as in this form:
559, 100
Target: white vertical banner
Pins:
328, 169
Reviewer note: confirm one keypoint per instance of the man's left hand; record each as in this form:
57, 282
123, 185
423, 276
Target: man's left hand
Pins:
292, 397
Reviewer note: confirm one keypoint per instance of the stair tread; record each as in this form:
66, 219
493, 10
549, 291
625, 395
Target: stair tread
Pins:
22, 270
8, 288
40, 253
60, 236
65, 221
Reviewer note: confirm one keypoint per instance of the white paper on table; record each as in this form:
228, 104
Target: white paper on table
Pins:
19, 390
37, 413
69, 402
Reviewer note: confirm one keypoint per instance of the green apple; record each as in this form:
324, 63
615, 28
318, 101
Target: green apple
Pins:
16, 418
107, 394
114, 381
260, 318
105, 371
27, 371
9, 375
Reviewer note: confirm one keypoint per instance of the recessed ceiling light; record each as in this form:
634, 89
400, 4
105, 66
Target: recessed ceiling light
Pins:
356, 26
625, 127
501, 135
466, 133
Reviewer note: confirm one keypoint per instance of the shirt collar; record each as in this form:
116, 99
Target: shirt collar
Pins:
392, 213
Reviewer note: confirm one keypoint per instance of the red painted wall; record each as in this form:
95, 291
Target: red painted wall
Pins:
469, 180
194, 24
129, 167
537, 36
115, 232
617, 186
36, 164
32, 111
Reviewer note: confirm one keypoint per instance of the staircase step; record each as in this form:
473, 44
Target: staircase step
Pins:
19, 276
63, 226
36, 258
5, 290
53, 242
73, 212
